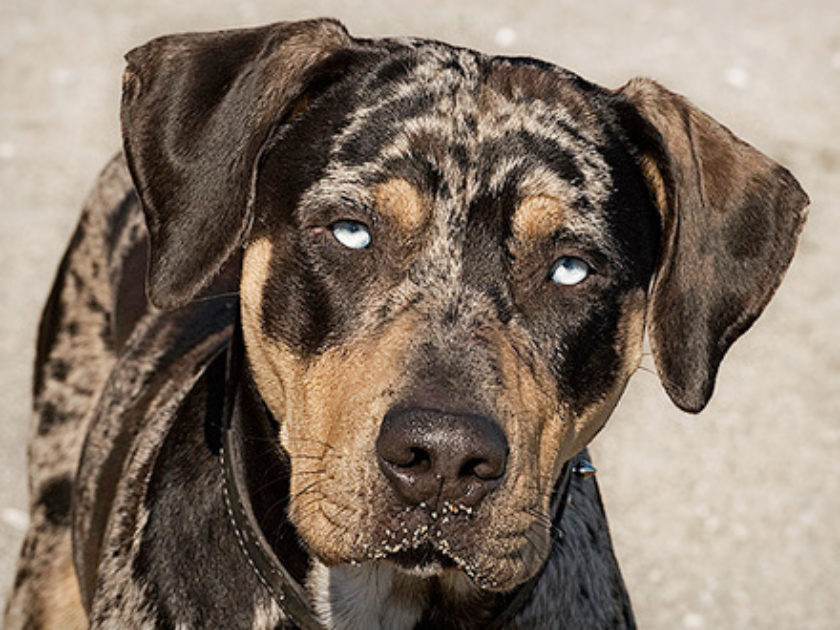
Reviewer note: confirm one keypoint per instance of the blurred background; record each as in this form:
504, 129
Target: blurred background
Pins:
730, 519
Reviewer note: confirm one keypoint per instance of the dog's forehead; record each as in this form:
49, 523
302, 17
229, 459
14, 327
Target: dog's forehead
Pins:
459, 125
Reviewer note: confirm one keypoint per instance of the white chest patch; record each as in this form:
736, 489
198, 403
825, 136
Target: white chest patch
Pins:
372, 596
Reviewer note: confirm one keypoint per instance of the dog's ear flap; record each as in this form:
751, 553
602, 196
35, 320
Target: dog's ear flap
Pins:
731, 217
196, 109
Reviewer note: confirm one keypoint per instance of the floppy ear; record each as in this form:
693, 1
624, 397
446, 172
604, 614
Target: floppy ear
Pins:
731, 217
196, 109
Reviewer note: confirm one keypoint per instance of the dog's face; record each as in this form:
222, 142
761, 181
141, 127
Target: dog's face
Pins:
448, 269
462, 247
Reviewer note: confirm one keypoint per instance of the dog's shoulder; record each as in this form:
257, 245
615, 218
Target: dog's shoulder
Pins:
154, 441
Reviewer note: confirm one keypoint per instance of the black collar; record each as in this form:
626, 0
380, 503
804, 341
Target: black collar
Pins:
284, 588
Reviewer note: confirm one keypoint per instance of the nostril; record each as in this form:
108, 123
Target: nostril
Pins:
403, 454
419, 460
483, 469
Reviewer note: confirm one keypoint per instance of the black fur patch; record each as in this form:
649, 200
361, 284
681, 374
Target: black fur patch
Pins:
56, 499
50, 416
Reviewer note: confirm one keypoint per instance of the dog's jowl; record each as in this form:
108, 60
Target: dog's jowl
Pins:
394, 289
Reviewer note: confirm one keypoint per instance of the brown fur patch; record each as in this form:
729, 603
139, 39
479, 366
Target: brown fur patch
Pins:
529, 398
537, 217
535, 430
299, 106
61, 601
656, 184
399, 200
268, 374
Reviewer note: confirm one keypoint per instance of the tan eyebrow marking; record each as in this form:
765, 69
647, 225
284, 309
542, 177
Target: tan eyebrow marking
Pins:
400, 200
537, 216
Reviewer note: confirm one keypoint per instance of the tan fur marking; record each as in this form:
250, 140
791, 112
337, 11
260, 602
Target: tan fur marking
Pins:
656, 183
256, 266
299, 106
335, 408
61, 601
537, 217
534, 424
401, 201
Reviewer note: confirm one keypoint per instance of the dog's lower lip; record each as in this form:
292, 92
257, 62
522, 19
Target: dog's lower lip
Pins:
420, 557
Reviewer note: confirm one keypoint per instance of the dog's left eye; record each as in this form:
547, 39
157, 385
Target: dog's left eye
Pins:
351, 234
569, 270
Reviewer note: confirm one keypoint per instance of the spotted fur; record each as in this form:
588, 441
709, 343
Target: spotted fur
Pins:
473, 175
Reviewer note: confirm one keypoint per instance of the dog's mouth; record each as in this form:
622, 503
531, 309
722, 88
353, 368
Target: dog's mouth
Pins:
422, 546
425, 546
422, 561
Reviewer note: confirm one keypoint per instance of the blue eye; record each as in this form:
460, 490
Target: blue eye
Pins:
569, 270
351, 234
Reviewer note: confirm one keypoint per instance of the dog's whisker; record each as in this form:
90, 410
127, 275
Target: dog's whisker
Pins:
318, 442
270, 482
541, 517
273, 506
310, 487
304, 504
335, 457
309, 456
259, 439
314, 471
312, 497
540, 546
544, 520
340, 526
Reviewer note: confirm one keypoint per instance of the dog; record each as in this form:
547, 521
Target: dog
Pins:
335, 329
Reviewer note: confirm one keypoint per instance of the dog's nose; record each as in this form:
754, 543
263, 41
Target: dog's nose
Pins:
436, 456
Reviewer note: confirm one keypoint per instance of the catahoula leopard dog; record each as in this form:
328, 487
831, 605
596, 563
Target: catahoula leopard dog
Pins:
335, 329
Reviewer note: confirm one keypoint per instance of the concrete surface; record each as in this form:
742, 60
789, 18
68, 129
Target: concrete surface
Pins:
727, 520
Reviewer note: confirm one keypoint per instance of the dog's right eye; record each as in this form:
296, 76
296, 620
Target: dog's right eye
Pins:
351, 234
569, 270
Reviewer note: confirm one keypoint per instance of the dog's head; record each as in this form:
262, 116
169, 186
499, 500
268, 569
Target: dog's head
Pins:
449, 263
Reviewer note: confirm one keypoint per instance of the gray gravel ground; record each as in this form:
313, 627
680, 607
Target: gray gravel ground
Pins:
726, 520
